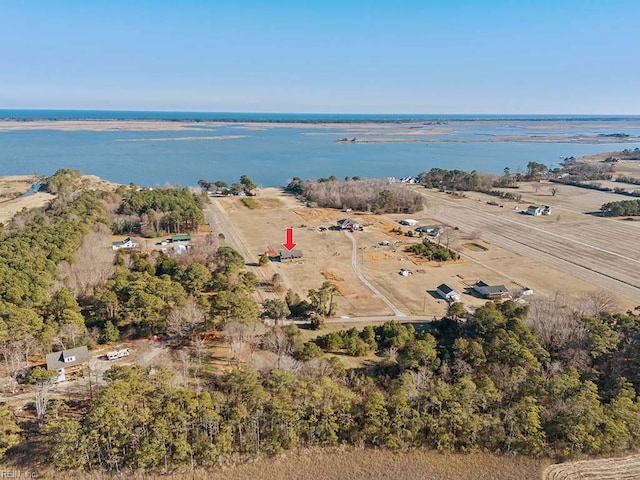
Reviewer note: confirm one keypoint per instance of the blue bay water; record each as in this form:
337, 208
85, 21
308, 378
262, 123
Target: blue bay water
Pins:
272, 156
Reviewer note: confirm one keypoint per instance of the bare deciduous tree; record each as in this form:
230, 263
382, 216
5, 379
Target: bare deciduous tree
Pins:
364, 195
594, 302
234, 333
556, 322
93, 265
183, 321
185, 362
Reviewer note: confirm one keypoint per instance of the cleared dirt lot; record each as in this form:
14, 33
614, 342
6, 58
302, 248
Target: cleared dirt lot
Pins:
496, 257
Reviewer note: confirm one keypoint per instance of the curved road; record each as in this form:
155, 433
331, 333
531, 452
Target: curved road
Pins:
365, 282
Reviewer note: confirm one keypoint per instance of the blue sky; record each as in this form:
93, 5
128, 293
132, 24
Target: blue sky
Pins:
574, 56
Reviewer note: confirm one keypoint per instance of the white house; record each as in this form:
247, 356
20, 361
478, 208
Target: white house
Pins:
126, 243
534, 210
448, 293
348, 224
409, 222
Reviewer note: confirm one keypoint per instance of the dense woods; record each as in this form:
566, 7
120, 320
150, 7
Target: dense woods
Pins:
376, 195
456, 180
163, 210
483, 384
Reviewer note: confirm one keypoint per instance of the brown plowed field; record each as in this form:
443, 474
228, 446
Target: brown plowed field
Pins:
603, 252
625, 468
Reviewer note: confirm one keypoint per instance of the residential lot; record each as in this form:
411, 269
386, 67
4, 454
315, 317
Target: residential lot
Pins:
566, 253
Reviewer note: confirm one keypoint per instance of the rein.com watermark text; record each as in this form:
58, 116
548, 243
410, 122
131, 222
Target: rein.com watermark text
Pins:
18, 474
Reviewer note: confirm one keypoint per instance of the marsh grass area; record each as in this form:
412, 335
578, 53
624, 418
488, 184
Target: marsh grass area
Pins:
352, 463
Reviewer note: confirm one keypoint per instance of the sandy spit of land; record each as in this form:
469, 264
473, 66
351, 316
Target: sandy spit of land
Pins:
181, 139
363, 128
13, 186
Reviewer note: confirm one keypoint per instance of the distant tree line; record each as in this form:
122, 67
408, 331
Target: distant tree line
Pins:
444, 179
621, 209
366, 195
584, 172
163, 210
625, 179
245, 185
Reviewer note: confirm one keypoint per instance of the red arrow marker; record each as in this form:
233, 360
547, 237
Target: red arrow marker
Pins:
289, 245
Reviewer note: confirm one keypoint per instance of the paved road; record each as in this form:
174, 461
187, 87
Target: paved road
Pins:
402, 318
365, 282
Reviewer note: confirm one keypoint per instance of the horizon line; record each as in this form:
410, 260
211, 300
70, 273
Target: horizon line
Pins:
261, 112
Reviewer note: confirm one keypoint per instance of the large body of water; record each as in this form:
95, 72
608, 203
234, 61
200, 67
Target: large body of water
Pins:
273, 148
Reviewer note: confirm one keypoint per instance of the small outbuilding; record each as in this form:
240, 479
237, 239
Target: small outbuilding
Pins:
181, 238
179, 249
448, 293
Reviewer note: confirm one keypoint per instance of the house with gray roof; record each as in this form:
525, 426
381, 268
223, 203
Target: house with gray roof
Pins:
290, 255
67, 359
448, 293
492, 292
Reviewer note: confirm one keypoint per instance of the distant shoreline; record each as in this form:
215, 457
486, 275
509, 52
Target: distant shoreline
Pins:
28, 115
362, 131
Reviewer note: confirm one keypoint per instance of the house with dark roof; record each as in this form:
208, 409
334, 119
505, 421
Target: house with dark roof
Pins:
66, 360
534, 210
448, 293
492, 292
290, 255
348, 224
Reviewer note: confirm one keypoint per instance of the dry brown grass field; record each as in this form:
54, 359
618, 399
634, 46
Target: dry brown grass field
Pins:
567, 253
350, 464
